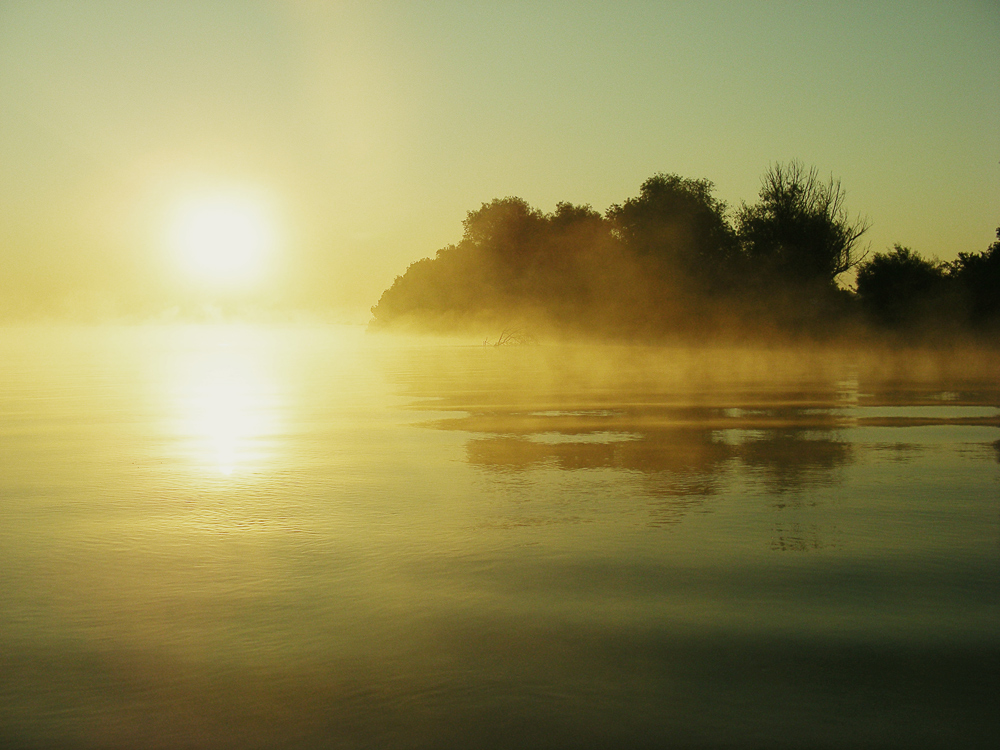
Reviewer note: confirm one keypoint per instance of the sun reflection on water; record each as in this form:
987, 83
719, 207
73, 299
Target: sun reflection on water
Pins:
226, 403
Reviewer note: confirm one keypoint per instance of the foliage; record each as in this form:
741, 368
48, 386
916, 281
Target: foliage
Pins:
669, 262
977, 275
900, 288
799, 230
679, 224
513, 263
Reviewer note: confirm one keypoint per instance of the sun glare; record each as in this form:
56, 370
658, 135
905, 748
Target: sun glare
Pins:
223, 238
225, 402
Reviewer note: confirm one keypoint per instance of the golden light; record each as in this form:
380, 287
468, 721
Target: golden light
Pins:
225, 405
224, 238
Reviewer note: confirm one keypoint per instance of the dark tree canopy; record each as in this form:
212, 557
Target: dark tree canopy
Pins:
514, 263
977, 276
681, 226
669, 262
799, 230
504, 224
899, 287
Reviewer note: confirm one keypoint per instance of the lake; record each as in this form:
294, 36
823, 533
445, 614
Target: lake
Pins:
308, 537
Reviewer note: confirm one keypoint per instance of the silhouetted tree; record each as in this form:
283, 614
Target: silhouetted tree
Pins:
679, 225
977, 276
568, 215
669, 263
505, 225
514, 264
799, 230
900, 288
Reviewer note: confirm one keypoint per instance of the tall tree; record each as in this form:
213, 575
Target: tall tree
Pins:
679, 225
799, 230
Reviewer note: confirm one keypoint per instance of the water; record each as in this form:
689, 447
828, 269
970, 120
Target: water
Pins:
240, 537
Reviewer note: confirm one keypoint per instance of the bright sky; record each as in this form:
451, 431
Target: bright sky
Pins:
369, 129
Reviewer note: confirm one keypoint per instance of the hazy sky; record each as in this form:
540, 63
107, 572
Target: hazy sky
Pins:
370, 129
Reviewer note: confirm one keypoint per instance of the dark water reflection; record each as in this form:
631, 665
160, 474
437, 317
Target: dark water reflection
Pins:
683, 455
786, 457
694, 451
306, 539
864, 476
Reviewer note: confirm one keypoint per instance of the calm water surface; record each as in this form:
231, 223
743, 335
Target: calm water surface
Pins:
288, 537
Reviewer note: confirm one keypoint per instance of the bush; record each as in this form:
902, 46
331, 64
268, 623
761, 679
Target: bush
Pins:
900, 288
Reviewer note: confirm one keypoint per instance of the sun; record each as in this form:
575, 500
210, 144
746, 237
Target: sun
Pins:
223, 238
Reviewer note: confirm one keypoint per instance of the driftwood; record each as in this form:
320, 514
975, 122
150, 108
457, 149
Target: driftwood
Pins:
512, 337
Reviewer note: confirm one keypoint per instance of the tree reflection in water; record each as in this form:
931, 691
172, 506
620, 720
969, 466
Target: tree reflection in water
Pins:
667, 433
682, 455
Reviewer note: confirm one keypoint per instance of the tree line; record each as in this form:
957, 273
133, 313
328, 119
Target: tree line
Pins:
676, 262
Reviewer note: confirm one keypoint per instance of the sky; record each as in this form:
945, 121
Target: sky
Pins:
364, 132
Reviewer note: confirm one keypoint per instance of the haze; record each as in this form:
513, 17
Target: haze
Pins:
370, 129
423, 375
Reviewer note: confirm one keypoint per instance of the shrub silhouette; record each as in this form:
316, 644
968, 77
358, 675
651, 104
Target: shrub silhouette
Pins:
900, 288
977, 276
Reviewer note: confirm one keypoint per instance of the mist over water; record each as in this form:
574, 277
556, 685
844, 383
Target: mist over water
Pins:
240, 536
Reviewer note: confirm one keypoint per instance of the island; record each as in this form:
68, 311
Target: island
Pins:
676, 263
